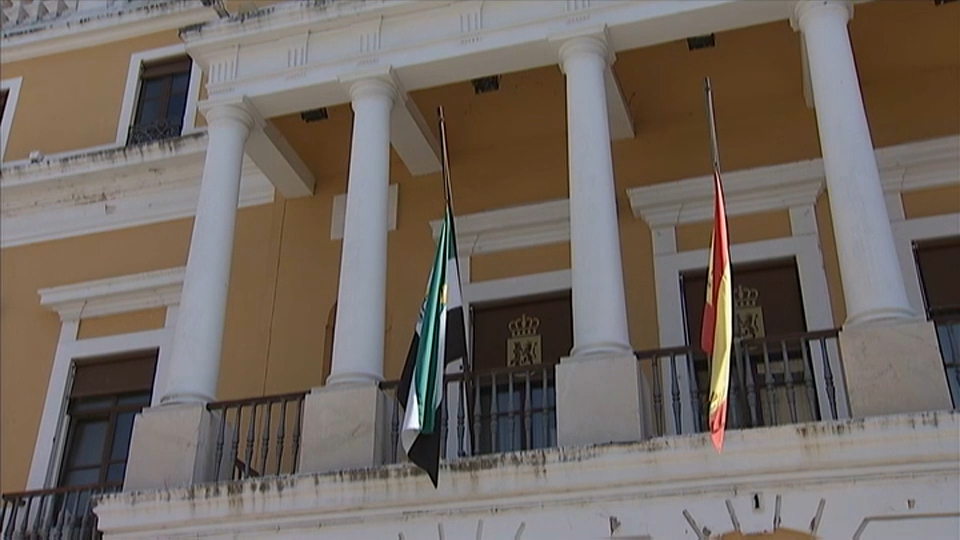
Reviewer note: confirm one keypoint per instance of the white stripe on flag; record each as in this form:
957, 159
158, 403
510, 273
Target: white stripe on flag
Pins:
411, 420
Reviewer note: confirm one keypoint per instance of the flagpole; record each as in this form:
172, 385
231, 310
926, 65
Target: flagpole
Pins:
445, 161
714, 147
448, 197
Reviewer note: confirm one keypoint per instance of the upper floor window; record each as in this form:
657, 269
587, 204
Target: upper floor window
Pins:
3, 102
162, 100
105, 397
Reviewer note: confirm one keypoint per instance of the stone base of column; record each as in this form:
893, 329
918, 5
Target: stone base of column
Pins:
601, 399
344, 427
893, 369
174, 446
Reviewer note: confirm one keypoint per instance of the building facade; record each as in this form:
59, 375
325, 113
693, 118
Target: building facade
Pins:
218, 219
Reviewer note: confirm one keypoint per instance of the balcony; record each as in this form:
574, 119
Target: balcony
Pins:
509, 416
52, 513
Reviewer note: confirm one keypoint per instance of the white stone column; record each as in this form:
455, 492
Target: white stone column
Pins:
361, 300
198, 338
873, 284
599, 306
601, 378
891, 359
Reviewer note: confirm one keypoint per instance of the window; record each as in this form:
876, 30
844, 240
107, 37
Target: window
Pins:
9, 94
3, 102
937, 261
106, 396
162, 100
515, 347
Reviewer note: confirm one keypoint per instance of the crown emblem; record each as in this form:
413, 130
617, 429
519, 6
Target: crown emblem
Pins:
744, 297
524, 326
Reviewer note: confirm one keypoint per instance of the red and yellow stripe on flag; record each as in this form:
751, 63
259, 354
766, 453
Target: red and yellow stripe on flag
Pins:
716, 335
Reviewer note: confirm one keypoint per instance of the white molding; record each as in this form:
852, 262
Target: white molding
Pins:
907, 167
426, 43
905, 233
111, 189
132, 90
13, 95
748, 191
52, 432
338, 215
110, 296
81, 29
516, 227
920, 165
859, 468
115, 295
516, 287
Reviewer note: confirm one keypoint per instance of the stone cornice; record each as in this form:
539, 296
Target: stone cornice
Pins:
906, 167
114, 295
110, 189
273, 55
800, 455
511, 228
82, 30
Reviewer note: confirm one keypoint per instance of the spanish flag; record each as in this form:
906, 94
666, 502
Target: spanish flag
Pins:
716, 335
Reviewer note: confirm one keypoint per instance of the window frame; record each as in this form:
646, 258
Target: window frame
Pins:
146, 291
12, 87
110, 414
131, 94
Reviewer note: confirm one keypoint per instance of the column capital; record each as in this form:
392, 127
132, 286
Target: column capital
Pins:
806, 10
217, 112
588, 45
372, 87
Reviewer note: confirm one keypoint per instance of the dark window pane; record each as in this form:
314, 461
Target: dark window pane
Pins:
154, 88
3, 103
86, 445
121, 435
87, 405
115, 472
180, 83
82, 477
135, 399
149, 113
175, 109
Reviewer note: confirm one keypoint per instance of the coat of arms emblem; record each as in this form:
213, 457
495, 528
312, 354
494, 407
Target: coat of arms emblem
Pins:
748, 315
524, 345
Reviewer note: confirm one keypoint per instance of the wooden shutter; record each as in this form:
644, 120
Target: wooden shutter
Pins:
117, 375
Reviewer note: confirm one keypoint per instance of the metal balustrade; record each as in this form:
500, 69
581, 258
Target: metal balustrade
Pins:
52, 513
155, 131
495, 411
947, 323
258, 436
773, 381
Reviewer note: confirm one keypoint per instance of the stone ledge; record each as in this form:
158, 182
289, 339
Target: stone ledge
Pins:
916, 445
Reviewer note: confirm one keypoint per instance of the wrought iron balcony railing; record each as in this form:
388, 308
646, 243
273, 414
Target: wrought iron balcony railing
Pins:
52, 513
773, 381
156, 131
495, 411
258, 436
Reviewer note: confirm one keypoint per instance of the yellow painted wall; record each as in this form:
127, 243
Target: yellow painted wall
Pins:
520, 262
28, 333
931, 202
508, 148
743, 229
124, 323
71, 100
